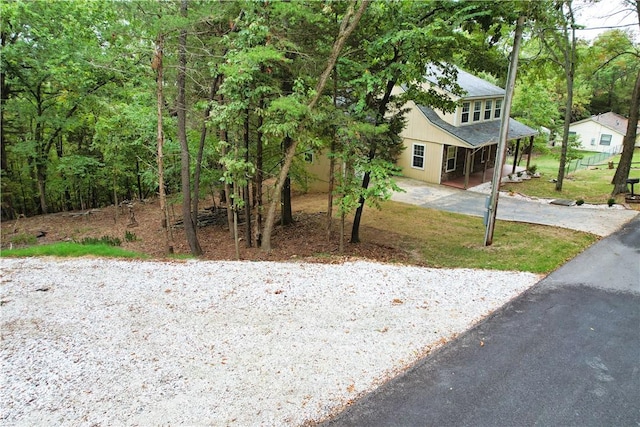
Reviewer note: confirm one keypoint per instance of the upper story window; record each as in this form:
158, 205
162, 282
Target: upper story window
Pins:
477, 107
488, 107
480, 110
498, 109
465, 112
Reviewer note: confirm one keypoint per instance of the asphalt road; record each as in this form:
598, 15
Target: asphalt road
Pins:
565, 353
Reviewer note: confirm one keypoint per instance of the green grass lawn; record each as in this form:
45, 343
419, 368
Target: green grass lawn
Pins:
591, 185
69, 249
449, 240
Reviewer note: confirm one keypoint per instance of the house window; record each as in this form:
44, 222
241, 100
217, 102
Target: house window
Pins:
418, 156
605, 139
308, 157
465, 112
488, 106
451, 158
498, 110
593, 141
477, 107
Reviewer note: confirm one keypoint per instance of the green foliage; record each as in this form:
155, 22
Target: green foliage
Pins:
23, 239
573, 149
80, 113
612, 62
104, 240
129, 236
535, 103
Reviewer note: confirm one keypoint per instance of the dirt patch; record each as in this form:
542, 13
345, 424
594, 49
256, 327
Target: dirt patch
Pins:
305, 239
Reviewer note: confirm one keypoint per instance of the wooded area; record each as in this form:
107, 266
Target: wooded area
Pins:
109, 101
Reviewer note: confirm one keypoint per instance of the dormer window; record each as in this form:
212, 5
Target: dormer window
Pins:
465, 112
477, 107
480, 110
498, 110
488, 106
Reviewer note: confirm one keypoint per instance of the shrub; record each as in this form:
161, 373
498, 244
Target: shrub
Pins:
130, 237
533, 169
580, 202
104, 240
23, 239
611, 201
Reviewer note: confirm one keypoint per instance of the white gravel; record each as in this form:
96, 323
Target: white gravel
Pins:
102, 342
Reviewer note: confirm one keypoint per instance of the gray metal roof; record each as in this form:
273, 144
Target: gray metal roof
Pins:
611, 120
481, 133
472, 85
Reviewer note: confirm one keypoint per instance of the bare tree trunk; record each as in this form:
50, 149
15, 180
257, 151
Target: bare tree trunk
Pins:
628, 143
258, 180
157, 65
227, 187
4, 97
185, 160
286, 216
349, 23
247, 200
355, 229
234, 204
569, 52
203, 137
332, 161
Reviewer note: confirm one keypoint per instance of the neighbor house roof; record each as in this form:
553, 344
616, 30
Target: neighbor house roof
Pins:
472, 85
610, 120
481, 133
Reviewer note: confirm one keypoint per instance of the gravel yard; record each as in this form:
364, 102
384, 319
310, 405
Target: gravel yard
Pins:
108, 342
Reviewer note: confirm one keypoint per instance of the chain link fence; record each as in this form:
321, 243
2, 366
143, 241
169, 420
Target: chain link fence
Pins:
592, 160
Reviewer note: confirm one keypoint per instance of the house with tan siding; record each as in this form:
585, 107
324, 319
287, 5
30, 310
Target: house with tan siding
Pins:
441, 147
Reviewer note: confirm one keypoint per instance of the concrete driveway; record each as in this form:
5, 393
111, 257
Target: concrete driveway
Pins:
596, 220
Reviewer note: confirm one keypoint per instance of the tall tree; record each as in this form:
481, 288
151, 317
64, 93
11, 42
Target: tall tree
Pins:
628, 145
349, 23
185, 172
611, 65
158, 66
58, 61
561, 47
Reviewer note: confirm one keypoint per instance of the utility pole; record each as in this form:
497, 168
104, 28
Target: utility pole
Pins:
492, 202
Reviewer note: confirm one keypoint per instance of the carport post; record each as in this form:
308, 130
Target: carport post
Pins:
490, 217
530, 151
515, 157
467, 167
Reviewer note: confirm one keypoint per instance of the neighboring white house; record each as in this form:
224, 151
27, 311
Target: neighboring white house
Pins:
603, 133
